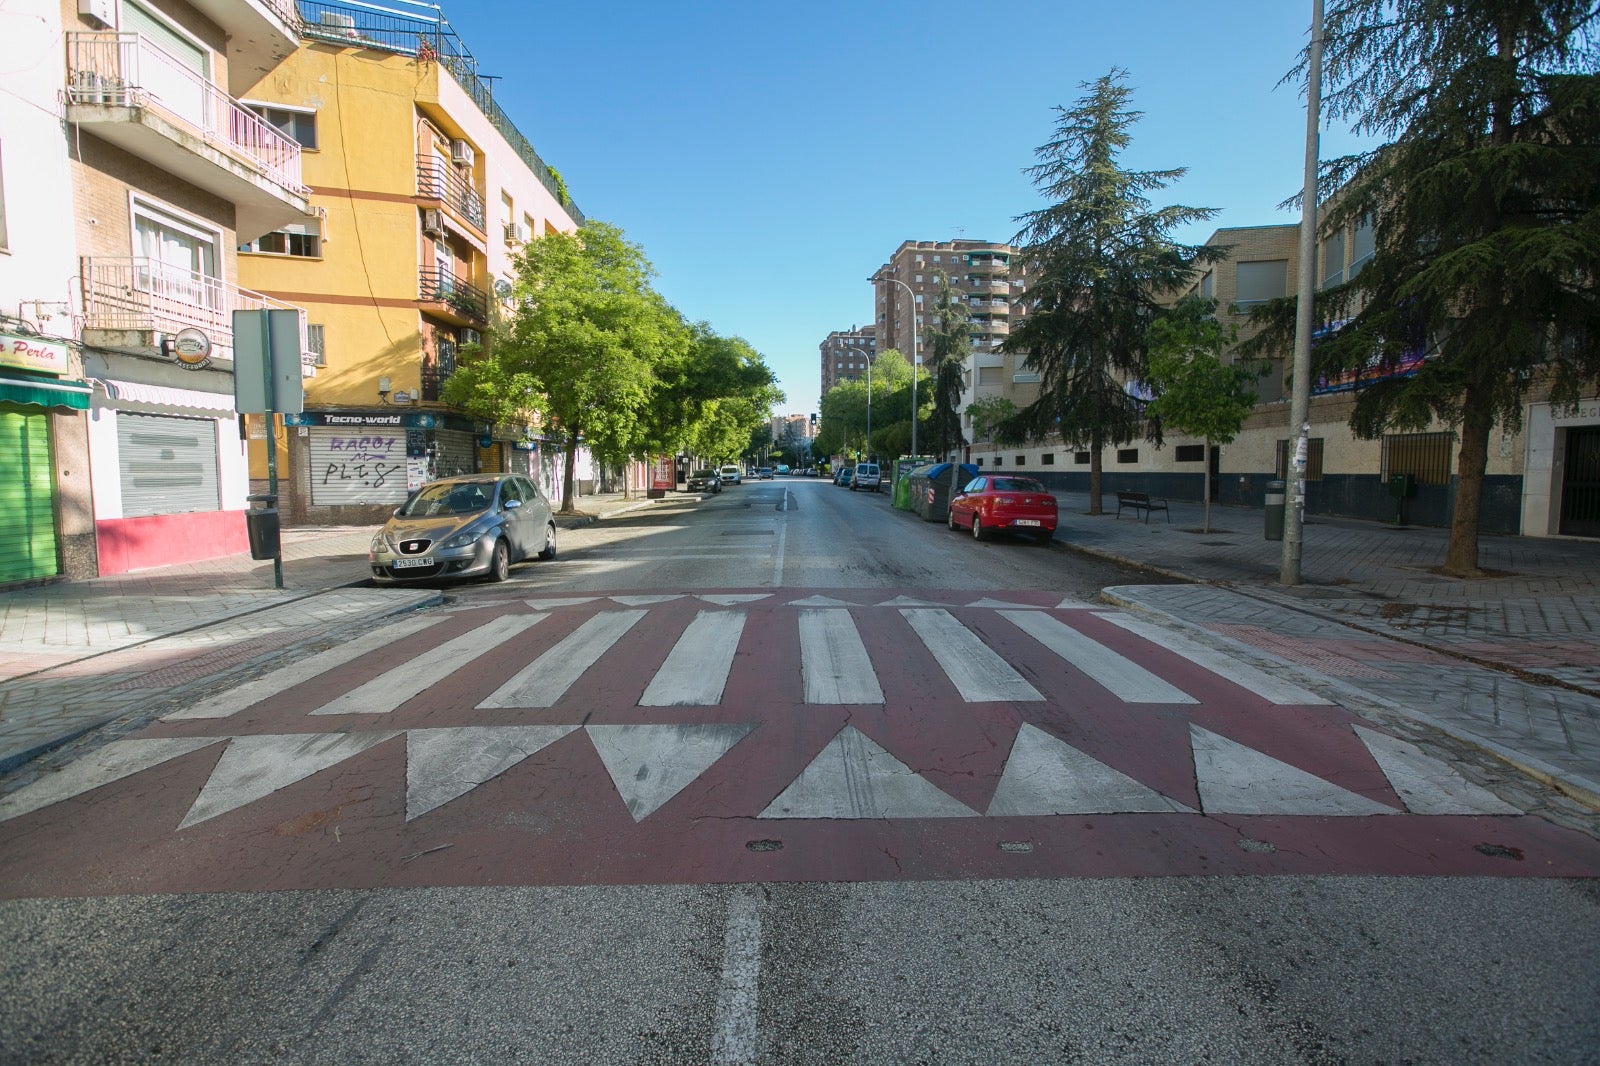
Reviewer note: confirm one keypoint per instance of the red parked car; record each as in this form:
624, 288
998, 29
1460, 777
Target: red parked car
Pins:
992, 503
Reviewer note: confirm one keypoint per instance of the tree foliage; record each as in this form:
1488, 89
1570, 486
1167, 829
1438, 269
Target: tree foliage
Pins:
1485, 210
947, 341
1103, 258
1194, 391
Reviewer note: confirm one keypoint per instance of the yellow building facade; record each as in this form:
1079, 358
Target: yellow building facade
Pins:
421, 191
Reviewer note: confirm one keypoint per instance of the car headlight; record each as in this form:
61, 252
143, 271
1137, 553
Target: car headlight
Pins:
463, 540
379, 543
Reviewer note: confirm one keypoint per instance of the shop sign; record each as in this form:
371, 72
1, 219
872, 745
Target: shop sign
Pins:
192, 348
326, 418
33, 353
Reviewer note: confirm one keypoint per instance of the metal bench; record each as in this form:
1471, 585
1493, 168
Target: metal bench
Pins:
1141, 501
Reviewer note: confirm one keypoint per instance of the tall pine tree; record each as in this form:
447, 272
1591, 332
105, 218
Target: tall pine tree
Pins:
1102, 258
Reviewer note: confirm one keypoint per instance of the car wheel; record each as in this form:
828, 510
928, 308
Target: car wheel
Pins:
950, 520
1044, 539
977, 528
500, 562
548, 552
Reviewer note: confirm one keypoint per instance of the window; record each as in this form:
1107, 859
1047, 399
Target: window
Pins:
302, 239
999, 461
317, 343
299, 126
1263, 281
1361, 246
938, 259
1022, 460
980, 461
1333, 260
988, 375
917, 278
1080, 458
1425, 456
1208, 285
1313, 459
1127, 455
1025, 377
1047, 459
1190, 453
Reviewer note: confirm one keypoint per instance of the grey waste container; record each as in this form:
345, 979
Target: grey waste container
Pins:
261, 522
1274, 509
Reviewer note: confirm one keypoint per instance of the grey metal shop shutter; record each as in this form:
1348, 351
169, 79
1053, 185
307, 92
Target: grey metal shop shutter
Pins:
357, 465
169, 465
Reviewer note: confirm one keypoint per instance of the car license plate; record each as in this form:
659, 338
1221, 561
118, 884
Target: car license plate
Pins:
413, 561
1027, 521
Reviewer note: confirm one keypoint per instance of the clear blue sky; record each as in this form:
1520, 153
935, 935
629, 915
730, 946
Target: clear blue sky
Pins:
768, 157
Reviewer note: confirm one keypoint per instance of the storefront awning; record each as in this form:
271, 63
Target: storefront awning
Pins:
166, 396
69, 394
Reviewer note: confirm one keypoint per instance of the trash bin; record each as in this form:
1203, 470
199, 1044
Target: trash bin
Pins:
930, 489
901, 497
1274, 500
261, 522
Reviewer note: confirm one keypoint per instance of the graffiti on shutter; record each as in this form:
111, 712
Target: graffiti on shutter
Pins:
357, 465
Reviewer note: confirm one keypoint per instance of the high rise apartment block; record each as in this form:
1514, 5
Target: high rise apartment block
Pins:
846, 355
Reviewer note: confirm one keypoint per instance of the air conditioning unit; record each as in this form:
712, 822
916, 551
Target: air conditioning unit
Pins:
471, 336
342, 25
516, 233
461, 152
433, 222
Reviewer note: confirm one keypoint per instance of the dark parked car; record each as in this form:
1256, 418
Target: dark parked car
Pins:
1019, 504
460, 527
705, 481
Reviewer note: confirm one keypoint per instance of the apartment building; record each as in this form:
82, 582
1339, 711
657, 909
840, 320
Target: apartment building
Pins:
167, 172
847, 354
422, 190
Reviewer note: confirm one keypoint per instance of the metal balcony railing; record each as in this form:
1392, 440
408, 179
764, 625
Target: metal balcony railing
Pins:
128, 70
147, 295
436, 180
440, 285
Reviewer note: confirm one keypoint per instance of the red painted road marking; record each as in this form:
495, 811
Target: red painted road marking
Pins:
434, 787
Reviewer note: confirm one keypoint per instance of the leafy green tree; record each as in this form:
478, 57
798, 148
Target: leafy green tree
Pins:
707, 401
988, 414
1485, 208
581, 347
1194, 390
947, 340
1103, 259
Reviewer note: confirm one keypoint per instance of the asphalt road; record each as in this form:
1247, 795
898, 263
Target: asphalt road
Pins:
534, 965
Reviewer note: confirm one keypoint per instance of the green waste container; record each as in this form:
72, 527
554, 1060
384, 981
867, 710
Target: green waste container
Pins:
1274, 501
902, 494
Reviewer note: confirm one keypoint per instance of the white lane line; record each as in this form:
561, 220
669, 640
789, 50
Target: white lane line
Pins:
545, 680
974, 668
226, 704
389, 690
696, 671
1270, 688
734, 1038
1126, 680
833, 661
777, 557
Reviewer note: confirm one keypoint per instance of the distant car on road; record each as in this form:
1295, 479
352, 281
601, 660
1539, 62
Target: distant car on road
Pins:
867, 476
764, 474
476, 525
1018, 504
730, 475
783, 468
706, 480
846, 477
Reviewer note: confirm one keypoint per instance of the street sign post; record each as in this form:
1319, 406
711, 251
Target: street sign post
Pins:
267, 381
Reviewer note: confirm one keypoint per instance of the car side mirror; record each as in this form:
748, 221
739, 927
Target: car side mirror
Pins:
512, 505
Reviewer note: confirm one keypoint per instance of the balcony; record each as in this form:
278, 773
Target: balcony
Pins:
125, 90
138, 305
261, 34
443, 185
447, 296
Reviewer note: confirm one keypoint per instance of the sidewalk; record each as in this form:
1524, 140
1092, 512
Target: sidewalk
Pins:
1509, 664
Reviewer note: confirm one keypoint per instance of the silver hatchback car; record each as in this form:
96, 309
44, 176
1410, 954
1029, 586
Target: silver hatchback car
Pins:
476, 525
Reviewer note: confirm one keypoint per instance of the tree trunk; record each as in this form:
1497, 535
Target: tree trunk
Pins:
1472, 462
569, 482
1094, 481
1205, 523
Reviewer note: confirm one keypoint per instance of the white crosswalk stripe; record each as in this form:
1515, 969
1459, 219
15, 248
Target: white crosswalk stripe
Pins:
833, 661
545, 680
1127, 680
975, 669
697, 670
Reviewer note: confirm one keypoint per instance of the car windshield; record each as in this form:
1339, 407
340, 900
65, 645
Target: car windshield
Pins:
704, 473
1017, 484
448, 498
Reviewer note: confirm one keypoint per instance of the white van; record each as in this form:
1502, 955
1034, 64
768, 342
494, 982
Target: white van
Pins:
731, 475
867, 477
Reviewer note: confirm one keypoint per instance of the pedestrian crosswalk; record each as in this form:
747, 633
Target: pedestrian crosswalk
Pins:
511, 672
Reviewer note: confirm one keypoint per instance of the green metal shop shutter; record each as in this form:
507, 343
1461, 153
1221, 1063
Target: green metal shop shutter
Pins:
27, 496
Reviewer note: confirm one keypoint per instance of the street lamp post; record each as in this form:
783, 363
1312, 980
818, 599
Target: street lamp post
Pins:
916, 356
868, 359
